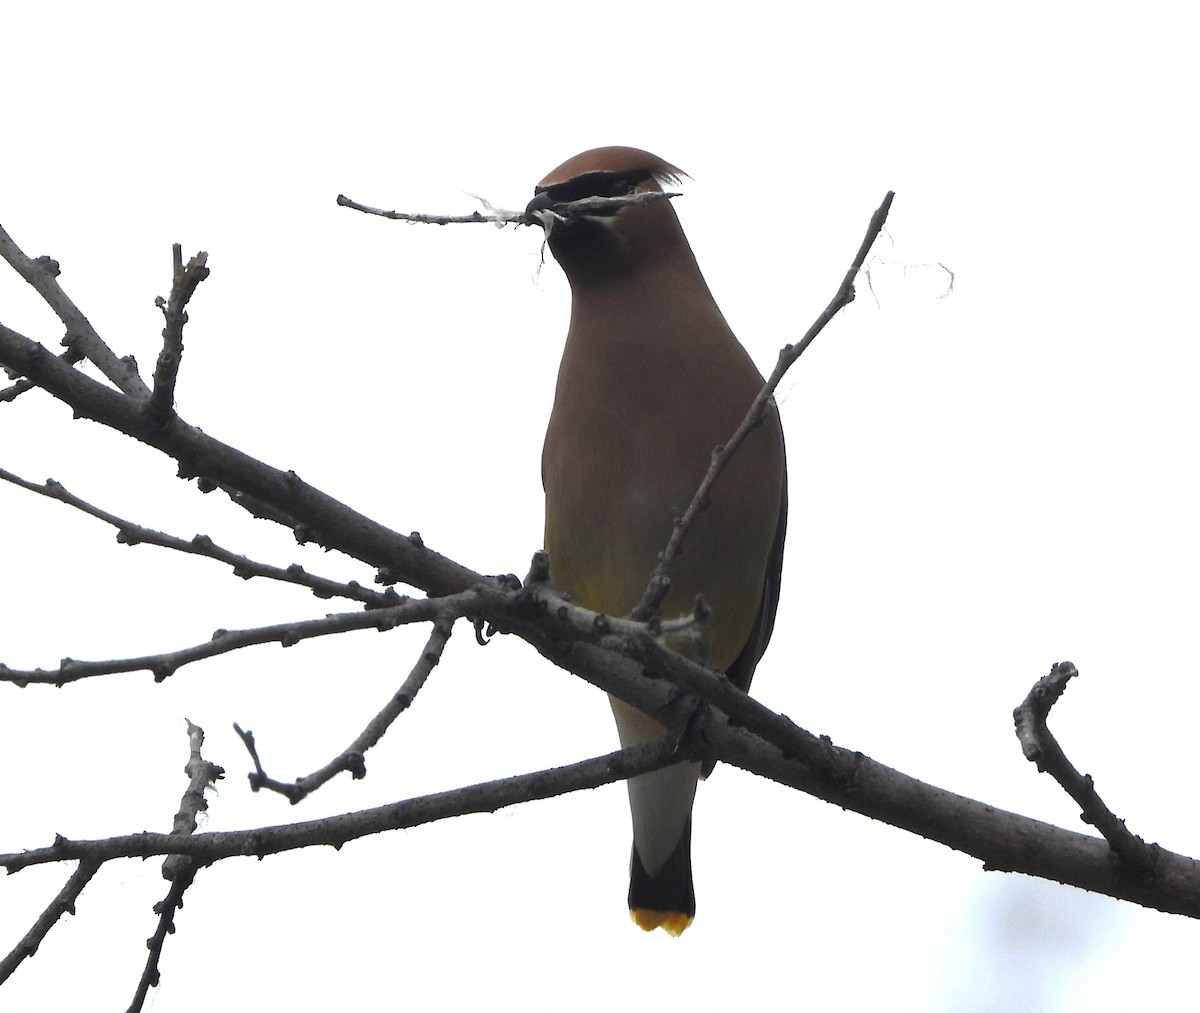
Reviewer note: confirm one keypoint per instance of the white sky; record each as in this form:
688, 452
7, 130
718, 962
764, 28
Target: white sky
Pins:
982, 484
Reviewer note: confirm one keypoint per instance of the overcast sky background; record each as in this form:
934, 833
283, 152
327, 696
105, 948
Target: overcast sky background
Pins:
984, 480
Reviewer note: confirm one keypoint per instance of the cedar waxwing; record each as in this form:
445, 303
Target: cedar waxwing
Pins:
652, 380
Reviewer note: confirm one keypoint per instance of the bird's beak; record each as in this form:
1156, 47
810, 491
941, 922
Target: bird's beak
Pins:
538, 211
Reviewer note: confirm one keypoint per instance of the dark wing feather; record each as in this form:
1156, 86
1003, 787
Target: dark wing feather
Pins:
742, 670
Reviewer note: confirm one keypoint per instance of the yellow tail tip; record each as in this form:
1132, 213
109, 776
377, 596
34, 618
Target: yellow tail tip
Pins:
672, 922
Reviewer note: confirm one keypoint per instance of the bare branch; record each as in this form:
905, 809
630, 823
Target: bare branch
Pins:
42, 273
573, 209
335, 831
624, 653
164, 665
425, 219
1003, 840
659, 584
352, 757
165, 909
620, 657
184, 282
71, 356
563, 212
63, 903
14, 391
325, 519
131, 533
201, 776
181, 871
1041, 748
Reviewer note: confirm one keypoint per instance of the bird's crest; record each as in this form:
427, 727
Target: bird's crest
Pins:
617, 160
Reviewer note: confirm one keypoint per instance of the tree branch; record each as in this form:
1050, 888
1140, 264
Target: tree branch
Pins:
81, 338
63, 903
131, 533
181, 871
351, 758
204, 849
184, 281
165, 909
324, 520
409, 610
1003, 840
706, 716
71, 356
1041, 748
660, 583
563, 212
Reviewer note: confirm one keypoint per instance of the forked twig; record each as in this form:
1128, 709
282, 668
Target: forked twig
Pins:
184, 281
42, 275
1041, 748
351, 758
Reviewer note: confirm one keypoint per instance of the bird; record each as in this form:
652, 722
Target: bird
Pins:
652, 380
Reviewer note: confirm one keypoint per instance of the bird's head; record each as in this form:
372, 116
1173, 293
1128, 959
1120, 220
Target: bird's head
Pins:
615, 239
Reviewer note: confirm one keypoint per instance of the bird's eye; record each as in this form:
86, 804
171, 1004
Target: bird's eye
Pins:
597, 184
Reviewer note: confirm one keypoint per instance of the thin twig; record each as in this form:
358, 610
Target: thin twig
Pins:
573, 209
165, 909
131, 533
14, 391
184, 281
325, 520
63, 903
206, 848
659, 584
1000, 839
1041, 748
201, 776
563, 211
42, 273
71, 356
352, 757
504, 218
179, 869
162, 666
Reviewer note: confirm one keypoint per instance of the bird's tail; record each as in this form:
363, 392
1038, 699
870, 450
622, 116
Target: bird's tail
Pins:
666, 900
